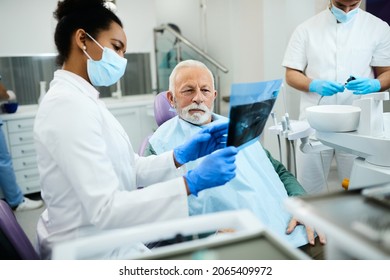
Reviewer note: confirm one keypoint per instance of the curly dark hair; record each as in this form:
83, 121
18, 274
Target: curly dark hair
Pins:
90, 15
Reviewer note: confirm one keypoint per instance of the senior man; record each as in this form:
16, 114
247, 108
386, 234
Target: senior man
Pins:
261, 183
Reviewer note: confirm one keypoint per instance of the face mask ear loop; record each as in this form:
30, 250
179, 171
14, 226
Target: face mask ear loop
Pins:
94, 40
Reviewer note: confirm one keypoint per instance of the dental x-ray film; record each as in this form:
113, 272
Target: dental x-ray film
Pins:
250, 106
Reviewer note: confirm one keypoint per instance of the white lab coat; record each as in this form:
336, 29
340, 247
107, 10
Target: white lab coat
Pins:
89, 172
325, 49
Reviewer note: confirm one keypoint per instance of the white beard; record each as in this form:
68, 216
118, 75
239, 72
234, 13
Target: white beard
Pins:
195, 118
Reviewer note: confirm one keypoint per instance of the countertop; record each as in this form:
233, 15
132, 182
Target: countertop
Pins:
29, 111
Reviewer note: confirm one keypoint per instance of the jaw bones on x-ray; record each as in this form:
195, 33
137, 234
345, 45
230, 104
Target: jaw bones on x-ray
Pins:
250, 106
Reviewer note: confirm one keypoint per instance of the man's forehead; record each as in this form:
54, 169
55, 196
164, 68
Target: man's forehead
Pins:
193, 71
192, 75
196, 82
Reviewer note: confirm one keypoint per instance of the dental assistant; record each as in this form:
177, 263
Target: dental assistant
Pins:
323, 53
89, 172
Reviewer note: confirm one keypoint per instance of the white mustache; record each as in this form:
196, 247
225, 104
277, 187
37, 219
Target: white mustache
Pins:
196, 107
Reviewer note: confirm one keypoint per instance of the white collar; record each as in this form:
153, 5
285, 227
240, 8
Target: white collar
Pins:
79, 82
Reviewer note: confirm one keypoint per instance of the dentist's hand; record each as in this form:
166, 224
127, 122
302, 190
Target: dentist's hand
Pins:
215, 170
203, 143
364, 85
325, 88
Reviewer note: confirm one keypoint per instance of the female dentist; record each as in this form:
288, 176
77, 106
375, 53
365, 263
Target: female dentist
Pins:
88, 170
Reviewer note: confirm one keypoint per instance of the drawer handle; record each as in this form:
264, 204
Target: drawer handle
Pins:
33, 188
28, 163
28, 176
31, 151
25, 126
21, 139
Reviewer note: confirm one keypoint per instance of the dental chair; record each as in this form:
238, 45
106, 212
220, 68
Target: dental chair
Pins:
14, 243
163, 111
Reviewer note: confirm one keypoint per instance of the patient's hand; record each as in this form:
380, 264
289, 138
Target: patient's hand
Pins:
309, 231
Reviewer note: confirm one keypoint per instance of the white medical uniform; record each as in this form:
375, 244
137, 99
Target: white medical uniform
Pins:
323, 49
256, 186
89, 172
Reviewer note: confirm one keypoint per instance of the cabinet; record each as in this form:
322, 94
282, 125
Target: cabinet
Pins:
21, 148
135, 113
137, 122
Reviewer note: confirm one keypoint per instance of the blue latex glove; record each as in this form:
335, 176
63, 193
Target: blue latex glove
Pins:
325, 88
215, 170
203, 143
364, 85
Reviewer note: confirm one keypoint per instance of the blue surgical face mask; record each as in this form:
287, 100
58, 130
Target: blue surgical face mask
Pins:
342, 16
108, 70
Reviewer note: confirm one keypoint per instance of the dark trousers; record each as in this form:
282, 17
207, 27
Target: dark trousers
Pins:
316, 251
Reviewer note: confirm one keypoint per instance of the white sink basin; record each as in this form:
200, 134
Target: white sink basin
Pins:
333, 118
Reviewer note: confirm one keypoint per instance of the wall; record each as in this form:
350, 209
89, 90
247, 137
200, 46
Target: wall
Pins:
233, 34
30, 30
27, 33
280, 18
27, 30
139, 19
